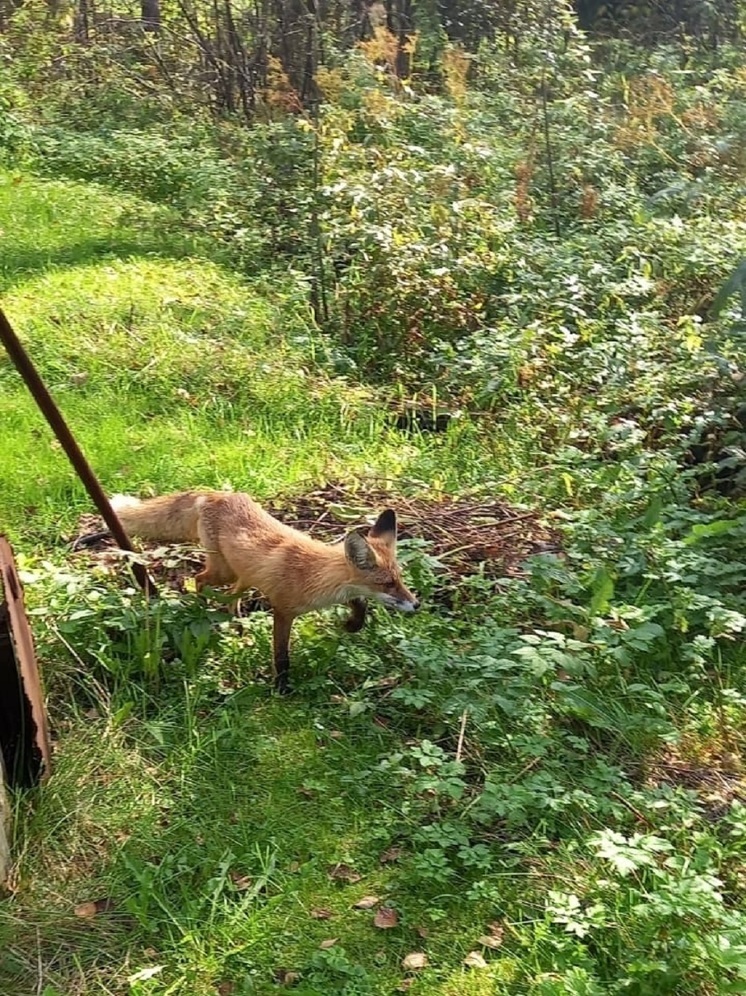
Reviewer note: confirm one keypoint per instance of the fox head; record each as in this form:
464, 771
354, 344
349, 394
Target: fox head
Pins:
373, 561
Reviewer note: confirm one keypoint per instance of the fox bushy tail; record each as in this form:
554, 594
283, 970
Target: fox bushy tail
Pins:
168, 519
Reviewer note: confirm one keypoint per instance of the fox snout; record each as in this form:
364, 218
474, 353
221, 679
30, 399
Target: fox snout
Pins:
404, 603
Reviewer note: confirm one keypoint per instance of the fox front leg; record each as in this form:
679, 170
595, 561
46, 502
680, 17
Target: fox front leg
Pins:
356, 619
281, 651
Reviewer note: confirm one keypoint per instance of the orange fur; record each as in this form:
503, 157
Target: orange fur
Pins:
247, 548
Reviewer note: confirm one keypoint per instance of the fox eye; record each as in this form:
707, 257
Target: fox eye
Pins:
390, 585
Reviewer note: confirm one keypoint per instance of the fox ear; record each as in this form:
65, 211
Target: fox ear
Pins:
384, 527
358, 553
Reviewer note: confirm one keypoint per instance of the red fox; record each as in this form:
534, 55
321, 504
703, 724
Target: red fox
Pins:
248, 548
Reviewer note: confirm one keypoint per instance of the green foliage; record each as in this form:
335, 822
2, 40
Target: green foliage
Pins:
549, 242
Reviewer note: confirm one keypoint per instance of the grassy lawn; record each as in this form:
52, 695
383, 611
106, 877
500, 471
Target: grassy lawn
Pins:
531, 777
206, 811
151, 354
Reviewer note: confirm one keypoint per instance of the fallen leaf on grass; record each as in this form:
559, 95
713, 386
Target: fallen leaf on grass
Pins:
404, 985
392, 854
321, 914
495, 937
87, 910
241, 882
423, 931
489, 942
475, 960
414, 961
328, 943
366, 903
226, 988
144, 974
386, 917
285, 978
343, 873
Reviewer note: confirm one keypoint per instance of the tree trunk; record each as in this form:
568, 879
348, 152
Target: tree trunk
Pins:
151, 15
82, 21
403, 51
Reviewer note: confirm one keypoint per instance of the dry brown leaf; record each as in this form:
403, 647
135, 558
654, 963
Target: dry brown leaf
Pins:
241, 882
388, 682
423, 931
386, 917
392, 854
85, 910
283, 977
414, 961
404, 985
336, 734
495, 936
475, 960
321, 914
226, 988
366, 903
489, 941
328, 943
306, 792
88, 910
343, 873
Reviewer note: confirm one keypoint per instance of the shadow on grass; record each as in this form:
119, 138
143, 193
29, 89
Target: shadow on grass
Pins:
242, 806
18, 264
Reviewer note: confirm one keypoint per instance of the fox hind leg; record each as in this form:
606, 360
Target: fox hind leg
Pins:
216, 572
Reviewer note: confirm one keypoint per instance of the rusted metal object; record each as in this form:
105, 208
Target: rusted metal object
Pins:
24, 735
52, 414
4, 829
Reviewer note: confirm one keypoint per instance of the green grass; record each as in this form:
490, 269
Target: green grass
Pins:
172, 372
149, 356
163, 822
208, 814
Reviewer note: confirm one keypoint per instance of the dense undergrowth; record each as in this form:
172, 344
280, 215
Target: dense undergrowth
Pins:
558, 755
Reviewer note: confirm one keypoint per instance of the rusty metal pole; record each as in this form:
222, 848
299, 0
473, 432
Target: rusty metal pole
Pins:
52, 414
